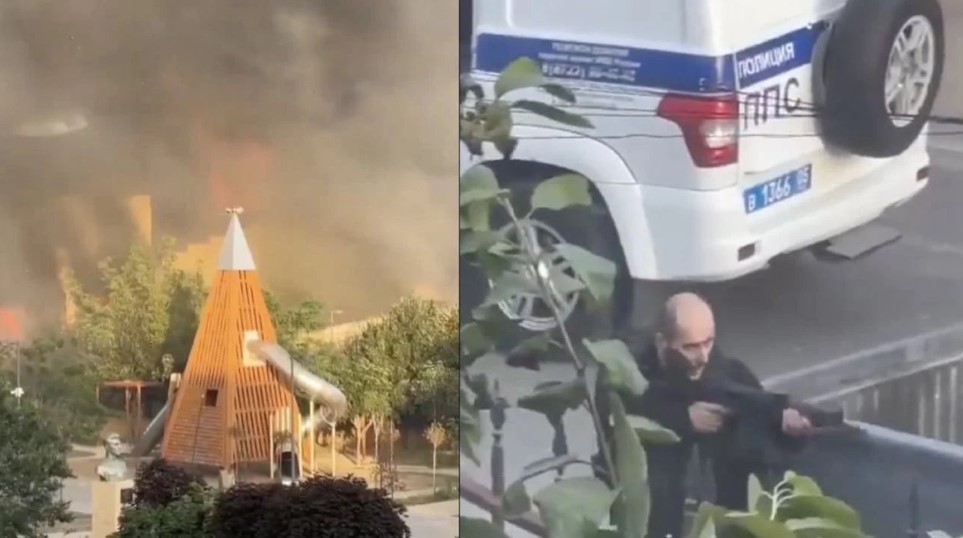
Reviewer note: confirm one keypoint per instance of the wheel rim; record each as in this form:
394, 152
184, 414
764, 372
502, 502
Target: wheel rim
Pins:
529, 310
909, 72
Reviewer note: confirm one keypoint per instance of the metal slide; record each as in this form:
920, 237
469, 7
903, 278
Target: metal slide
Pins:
331, 400
153, 434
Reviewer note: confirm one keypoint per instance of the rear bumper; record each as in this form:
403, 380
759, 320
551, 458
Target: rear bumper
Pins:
705, 236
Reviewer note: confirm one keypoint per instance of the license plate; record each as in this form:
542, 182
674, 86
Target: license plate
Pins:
777, 190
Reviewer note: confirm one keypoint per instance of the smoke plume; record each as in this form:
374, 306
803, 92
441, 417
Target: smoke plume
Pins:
329, 121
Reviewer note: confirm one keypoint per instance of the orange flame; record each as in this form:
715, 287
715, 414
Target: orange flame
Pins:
11, 328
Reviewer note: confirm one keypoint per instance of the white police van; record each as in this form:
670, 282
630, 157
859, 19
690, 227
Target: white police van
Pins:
726, 133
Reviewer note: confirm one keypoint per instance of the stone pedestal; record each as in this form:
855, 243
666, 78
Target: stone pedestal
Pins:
107, 500
226, 479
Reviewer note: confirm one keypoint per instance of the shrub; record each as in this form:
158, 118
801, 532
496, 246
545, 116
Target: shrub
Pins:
319, 507
158, 483
184, 517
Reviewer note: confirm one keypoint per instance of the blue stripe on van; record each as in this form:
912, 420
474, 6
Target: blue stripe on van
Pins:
650, 68
777, 56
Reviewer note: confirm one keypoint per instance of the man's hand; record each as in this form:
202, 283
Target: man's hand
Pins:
794, 424
707, 417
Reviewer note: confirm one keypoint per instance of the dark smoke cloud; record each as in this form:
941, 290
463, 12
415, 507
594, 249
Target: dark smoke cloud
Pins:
355, 97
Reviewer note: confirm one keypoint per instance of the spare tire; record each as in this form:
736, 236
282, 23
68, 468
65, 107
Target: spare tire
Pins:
882, 71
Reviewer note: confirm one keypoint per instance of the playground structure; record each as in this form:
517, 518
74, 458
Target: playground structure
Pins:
235, 402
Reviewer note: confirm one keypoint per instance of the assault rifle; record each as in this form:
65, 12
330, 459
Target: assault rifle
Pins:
755, 414
747, 401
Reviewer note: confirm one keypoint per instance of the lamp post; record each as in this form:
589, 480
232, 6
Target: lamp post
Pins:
331, 324
295, 454
18, 391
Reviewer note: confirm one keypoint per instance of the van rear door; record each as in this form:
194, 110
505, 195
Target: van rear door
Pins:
782, 156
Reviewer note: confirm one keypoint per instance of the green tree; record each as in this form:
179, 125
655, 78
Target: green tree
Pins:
405, 362
434, 391
417, 341
60, 381
295, 325
367, 377
32, 465
148, 308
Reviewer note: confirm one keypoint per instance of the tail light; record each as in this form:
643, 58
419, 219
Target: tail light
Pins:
709, 126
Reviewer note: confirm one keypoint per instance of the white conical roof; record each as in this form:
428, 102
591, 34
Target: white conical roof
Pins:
235, 254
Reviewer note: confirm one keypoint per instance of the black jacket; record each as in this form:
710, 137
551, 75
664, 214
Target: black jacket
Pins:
734, 453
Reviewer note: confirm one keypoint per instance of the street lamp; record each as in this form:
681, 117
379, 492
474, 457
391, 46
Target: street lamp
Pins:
331, 324
17, 392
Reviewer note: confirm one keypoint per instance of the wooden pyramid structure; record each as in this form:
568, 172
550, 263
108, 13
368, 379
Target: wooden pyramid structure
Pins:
229, 403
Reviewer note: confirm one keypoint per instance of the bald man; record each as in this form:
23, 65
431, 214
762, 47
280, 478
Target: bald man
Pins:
683, 355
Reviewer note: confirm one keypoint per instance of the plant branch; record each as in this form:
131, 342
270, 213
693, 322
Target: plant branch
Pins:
543, 282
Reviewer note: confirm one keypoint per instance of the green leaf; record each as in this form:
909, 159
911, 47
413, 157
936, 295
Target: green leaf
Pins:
554, 398
802, 485
477, 184
473, 339
559, 92
703, 524
756, 493
479, 241
467, 197
574, 507
478, 178
596, 272
515, 500
821, 528
706, 530
477, 216
807, 506
758, 525
520, 74
562, 284
469, 430
632, 471
507, 286
623, 374
553, 113
652, 433
470, 527
562, 191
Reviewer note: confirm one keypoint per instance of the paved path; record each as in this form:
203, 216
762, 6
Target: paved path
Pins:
436, 520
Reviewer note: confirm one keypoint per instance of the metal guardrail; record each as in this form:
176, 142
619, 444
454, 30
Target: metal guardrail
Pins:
902, 470
901, 484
